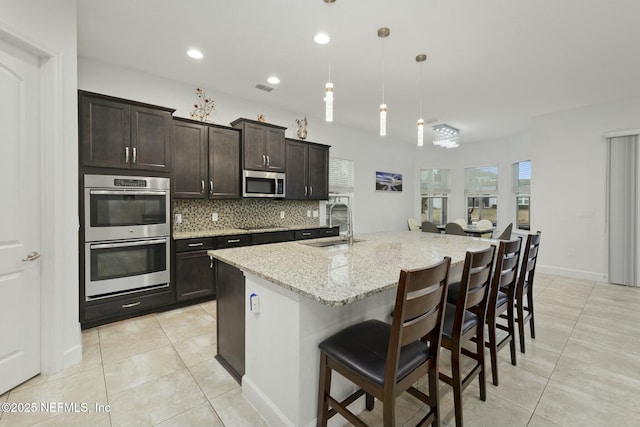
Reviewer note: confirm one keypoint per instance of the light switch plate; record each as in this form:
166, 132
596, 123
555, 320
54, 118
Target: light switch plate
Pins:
282, 214
178, 219
214, 216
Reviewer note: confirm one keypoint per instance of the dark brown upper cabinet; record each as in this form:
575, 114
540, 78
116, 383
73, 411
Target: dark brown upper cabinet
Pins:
307, 170
206, 161
263, 146
116, 133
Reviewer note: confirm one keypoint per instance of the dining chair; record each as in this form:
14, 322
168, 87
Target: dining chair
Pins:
429, 227
384, 360
461, 326
413, 224
461, 221
454, 228
485, 224
524, 287
506, 233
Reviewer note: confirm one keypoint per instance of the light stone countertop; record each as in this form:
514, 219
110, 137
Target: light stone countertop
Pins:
232, 231
339, 275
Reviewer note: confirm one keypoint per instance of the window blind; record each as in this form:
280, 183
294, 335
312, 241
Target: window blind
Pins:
341, 177
434, 181
481, 180
522, 177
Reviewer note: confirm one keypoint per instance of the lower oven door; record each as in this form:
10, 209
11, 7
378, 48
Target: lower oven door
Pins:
114, 267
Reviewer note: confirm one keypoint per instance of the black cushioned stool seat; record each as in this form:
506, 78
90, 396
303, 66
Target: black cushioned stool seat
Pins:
363, 349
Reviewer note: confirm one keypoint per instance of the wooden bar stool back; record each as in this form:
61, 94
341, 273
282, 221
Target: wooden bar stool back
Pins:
384, 360
524, 288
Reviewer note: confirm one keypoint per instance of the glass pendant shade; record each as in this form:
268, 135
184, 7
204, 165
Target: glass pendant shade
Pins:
420, 132
328, 99
383, 119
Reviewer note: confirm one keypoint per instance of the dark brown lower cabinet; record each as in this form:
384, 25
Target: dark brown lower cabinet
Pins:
195, 275
230, 322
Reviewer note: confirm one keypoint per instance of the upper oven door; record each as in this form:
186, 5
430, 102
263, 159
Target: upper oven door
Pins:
123, 214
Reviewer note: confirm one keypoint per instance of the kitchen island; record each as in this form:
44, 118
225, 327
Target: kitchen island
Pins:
298, 293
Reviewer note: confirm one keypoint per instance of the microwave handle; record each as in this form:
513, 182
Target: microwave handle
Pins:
127, 244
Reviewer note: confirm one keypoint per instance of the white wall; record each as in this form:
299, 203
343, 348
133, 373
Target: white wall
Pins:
569, 184
50, 27
373, 211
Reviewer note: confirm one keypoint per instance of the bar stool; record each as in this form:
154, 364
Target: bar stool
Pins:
384, 360
524, 288
461, 325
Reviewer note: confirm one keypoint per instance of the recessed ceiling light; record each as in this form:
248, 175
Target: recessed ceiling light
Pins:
195, 54
322, 38
273, 80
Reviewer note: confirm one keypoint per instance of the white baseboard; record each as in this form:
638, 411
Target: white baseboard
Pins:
575, 274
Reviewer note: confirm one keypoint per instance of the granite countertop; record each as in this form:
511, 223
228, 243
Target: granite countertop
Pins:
341, 274
179, 235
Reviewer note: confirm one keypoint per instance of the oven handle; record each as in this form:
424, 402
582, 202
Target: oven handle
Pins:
128, 192
127, 244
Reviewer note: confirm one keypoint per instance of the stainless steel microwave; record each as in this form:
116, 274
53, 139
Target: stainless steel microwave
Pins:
263, 184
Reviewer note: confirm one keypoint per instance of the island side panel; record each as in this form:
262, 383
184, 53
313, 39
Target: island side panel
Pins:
282, 359
230, 319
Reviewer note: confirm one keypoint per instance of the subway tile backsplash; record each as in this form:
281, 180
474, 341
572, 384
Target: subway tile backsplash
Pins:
243, 213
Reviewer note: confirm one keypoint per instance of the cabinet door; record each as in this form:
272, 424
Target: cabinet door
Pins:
318, 172
105, 132
195, 275
150, 139
190, 177
224, 164
297, 170
274, 149
253, 140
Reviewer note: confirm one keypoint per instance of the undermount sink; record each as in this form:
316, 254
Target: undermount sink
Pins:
329, 243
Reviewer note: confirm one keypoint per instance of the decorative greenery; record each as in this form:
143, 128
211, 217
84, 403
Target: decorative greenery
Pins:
203, 108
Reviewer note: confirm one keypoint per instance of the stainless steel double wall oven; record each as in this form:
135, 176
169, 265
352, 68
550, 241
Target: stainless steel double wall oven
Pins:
127, 234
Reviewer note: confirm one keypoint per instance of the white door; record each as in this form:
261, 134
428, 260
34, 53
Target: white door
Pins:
19, 215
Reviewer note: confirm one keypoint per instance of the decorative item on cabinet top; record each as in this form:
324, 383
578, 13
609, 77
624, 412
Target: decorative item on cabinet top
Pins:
302, 128
203, 108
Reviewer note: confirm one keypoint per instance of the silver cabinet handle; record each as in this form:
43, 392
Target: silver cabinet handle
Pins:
126, 154
202, 186
195, 245
267, 160
305, 191
211, 263
264, 160
135, 154
133, 304
310, 191
233, 240
32, 256
211, 187
306, 233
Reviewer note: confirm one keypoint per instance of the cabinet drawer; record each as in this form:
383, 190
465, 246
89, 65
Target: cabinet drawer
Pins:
327, 232
187, 245
307, 234
233, 241
273, 237
128, 305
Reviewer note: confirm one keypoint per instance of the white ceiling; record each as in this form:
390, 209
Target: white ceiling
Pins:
492, 64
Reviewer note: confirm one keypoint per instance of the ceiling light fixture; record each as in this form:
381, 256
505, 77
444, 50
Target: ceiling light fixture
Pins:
273, 80
420, 59
446, 136
328, 88
383, 33
322, 38
195, 54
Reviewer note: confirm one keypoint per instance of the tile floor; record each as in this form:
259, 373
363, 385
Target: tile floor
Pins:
583, 369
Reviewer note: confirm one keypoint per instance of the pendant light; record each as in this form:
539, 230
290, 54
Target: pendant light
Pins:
420, 59
328, 88
383, 33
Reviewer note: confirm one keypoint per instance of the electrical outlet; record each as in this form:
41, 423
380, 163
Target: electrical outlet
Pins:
309, 213
571, 252
178, 219
282, 214
315, 213
214, 216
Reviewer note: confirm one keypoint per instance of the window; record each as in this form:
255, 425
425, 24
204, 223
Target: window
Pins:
521, 188
340, 175
434, 191
481, 191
